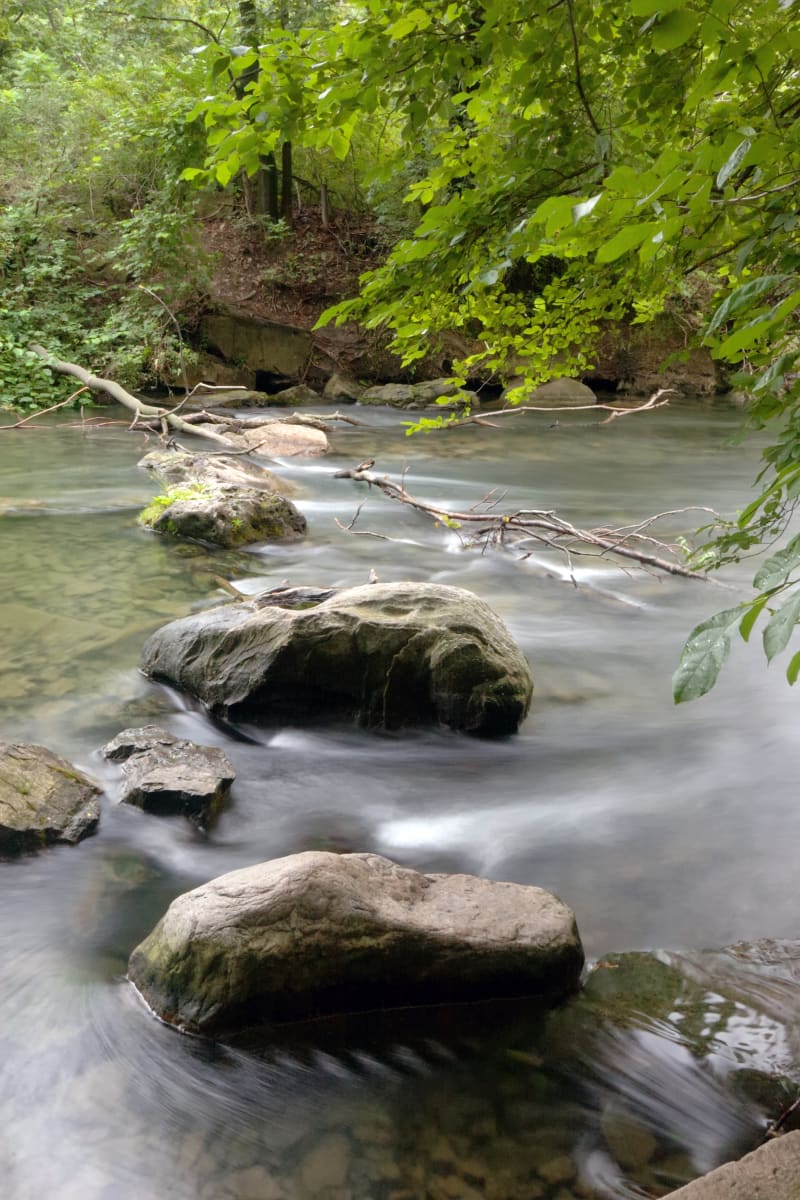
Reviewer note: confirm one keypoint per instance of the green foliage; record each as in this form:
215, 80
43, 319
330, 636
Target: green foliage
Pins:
639, 146
92, 117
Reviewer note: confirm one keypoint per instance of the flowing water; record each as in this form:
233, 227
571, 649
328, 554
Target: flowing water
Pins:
661, 827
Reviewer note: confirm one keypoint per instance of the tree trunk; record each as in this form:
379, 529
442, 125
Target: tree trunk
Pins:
287, 181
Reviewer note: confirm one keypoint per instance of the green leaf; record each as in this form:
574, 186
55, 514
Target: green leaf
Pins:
777, 569
793, 669
627, 239
727, 169
674, 29
583, 209
704, 655
780, 627
645, 8
743, 298
223, 173
751, 616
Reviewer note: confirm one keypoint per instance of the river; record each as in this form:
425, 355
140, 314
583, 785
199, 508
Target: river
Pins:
662, 827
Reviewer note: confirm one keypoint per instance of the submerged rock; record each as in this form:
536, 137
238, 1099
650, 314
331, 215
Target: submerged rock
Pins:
432, 393
219, 500
385, 655
168, 775
319, 933
43, 799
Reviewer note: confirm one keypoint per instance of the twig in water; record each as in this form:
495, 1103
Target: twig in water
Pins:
41, 413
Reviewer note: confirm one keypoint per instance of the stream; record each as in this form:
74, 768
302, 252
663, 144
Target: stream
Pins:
666, 829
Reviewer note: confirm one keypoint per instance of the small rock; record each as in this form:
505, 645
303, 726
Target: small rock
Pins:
632, 1145
294, 397
326, 1164
558, 1170
342, 390
451, 1187
167, 775
277, 440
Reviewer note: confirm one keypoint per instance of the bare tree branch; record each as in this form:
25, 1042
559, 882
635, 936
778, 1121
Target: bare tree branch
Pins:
616, 410
545, 528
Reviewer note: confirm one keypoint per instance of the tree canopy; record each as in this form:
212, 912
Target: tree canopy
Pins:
573, 163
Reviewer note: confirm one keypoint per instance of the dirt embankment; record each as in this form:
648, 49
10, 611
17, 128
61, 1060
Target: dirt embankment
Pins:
265, 281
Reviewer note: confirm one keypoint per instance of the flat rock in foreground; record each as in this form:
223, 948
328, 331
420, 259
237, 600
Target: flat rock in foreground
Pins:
387, 656
43, 799
170, 775
770, 1173
319, 933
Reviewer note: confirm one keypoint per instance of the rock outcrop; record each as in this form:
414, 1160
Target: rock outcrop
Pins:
169, 775
384, 655
219, 500
43, 799
279, 352
317, 933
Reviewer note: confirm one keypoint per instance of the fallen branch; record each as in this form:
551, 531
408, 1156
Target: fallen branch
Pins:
140, 410
43, 411
545, 528
616, 410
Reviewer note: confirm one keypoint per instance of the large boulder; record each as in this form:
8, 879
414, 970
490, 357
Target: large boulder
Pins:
219, 500
318, 933
385, 655
169, 775
43, 799
431, 393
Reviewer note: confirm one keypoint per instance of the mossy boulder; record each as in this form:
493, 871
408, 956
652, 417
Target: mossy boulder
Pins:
383, 655
219, 500
317, 933
43, 799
